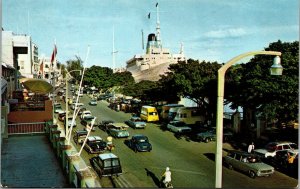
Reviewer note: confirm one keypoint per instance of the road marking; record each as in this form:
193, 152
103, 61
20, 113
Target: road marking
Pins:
122, 182
183, 171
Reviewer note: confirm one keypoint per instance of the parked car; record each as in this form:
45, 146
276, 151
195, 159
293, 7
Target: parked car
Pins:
178, 127
79, 136
210, 135
247, 163
70, 122
58, 108
103, 124
139, 142
93, 102
118, 130
84, 113
285, 159
82, 109
106, 164
87, 122
61, 116
95, 145
136, 122
273, 147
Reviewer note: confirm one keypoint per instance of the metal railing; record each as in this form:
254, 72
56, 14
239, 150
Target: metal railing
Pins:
26, 128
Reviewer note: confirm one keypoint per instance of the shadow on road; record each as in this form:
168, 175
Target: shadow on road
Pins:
210, 156
154, 178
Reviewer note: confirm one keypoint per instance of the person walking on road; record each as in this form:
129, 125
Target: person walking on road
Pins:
251, 147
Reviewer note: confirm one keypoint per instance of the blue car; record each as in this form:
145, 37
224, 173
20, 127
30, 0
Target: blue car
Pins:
140, 143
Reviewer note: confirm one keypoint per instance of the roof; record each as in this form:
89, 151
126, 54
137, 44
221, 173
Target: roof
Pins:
119, 125
107, 156
93, 138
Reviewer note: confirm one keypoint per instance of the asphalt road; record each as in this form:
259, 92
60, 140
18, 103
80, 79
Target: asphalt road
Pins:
191, 163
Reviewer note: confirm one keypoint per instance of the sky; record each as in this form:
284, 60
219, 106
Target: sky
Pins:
210, 30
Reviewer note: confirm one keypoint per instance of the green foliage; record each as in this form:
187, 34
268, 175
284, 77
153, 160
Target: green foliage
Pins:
274, 97
75, 65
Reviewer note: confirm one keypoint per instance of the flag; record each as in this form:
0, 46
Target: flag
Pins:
156, 5
42, 67
53, 54
149, 15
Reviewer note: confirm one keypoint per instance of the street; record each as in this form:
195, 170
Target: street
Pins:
191, 163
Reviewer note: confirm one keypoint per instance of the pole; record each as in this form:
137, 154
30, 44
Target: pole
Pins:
76, 107
220, 109
67, 107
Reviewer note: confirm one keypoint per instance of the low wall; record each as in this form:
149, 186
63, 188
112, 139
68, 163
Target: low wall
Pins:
78, 173
32, 116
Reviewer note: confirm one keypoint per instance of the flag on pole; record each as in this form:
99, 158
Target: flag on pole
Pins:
149, 15
156, 5
53, 55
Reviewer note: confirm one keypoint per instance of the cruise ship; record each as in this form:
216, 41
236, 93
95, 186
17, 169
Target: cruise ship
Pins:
156, 60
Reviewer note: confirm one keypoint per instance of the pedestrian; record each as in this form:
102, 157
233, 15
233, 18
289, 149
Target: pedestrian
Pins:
251, 147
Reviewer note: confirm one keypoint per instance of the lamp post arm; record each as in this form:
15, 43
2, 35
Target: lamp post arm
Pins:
241, 56
220, 108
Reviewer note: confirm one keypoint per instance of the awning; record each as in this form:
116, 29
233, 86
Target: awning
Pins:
36, 85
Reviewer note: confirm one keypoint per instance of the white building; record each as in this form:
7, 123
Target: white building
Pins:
20, 52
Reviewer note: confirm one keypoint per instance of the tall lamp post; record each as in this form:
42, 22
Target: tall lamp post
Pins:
66, 99
276, 69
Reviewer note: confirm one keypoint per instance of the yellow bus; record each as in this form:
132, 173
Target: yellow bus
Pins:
149, 114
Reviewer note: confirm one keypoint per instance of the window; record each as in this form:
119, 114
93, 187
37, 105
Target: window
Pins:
21, 64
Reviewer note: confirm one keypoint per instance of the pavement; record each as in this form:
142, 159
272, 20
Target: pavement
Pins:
29, 161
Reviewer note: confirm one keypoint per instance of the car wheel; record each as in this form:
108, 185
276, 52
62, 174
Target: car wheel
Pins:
206, 140
135, 150
252, 174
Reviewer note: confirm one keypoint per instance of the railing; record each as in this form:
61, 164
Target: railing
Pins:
26, 128
28, 106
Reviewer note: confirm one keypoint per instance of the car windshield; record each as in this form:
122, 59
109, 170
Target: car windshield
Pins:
111, 162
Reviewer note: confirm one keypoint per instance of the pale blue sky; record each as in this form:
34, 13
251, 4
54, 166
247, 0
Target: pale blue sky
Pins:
211, 30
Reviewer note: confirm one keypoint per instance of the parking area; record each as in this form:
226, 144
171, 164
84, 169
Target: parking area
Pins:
29, 161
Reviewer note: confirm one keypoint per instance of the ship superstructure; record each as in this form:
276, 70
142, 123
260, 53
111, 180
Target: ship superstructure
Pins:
156, 60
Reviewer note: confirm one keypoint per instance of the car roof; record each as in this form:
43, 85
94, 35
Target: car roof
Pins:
93, 138
107, 156
81, 132
138, 135
119, 125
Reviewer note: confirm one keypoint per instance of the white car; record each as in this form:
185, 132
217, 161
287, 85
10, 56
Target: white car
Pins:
84, 113
178, 127
273, 147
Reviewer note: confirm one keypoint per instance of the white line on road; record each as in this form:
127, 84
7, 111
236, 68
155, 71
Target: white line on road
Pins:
183, 171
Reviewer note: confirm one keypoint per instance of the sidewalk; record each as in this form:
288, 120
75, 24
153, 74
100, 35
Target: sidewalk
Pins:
29, 161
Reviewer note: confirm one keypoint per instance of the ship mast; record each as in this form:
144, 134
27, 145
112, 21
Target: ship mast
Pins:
158, 40
113, 50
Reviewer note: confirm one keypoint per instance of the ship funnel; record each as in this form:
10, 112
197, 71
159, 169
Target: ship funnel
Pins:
151, 43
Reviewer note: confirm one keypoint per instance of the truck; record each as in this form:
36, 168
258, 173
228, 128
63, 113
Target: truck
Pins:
164, 115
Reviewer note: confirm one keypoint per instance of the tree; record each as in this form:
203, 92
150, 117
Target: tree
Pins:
194, 80
100, 77
272, 97
75, 65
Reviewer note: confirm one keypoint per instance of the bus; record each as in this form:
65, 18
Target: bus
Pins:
189, 115
149, 114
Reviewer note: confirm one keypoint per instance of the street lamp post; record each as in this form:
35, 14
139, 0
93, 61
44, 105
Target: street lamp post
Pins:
67, 103
276, 69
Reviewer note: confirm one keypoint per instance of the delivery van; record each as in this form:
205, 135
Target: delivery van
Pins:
166, 108
149, 114
189, 115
